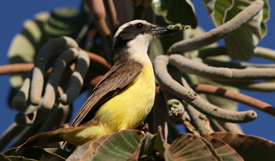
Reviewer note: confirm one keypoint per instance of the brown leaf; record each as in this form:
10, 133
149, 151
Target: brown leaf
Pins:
249, 147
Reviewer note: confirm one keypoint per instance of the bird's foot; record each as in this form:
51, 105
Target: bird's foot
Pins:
143, 127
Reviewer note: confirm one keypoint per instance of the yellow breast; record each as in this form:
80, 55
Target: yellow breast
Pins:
131, 106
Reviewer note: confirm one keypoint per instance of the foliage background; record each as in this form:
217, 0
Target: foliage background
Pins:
14, 13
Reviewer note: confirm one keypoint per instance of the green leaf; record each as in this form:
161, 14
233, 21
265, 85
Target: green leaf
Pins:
241, 44
160, 144
116, 146
66, 21
34, 154
176, 11
145, 147
26, 44
249, 147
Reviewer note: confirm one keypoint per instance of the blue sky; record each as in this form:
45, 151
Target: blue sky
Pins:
14, 13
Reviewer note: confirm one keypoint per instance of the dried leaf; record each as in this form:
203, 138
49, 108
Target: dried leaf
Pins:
249, 147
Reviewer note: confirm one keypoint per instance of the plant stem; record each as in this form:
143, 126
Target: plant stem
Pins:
252, 102
220, 32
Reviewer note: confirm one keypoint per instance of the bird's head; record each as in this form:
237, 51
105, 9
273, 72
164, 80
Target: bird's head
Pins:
134, 37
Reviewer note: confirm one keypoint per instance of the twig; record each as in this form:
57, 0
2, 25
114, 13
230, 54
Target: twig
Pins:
167, 82
92, 79
98, 60
60, 64
97, 12
253, 86
260, 105
229, 64
175, 107
77, 79
199, 123
55, 120
34, 117
30, 131
212, 51
264, 53
41, 62
111, 15
20, 99
160, 114
16, 68
260, 52
10, 133
200, 104
220, 32
219, 73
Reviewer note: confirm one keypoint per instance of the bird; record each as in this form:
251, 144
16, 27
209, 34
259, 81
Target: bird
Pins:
123, 97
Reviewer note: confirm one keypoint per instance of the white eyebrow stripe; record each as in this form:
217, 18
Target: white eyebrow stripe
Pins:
121, 28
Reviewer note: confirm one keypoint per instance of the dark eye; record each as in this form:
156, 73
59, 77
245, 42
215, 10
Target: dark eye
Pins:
139, 25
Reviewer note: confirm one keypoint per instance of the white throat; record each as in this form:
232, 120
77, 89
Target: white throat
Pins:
138, 48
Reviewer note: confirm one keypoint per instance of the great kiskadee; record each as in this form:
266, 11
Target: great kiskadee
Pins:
124, 96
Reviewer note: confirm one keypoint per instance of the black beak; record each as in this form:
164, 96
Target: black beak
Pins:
161, 30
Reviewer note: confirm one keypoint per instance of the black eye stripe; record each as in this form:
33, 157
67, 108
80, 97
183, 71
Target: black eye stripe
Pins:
139, 25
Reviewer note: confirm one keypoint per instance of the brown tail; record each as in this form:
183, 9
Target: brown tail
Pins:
53, 136
42, 139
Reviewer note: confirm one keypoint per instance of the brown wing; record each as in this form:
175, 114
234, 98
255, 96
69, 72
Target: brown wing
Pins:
115, 80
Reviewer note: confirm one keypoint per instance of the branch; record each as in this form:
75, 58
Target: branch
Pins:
10, 133
260, 52
160, 114
169, 84
41, 62
97, 12
111, 15
60, 64
175, 107
16, 68
56, 119
77, 79
200, 104
197, 121
91, 79
218, 73
253, 86
34, 117
260, 105
32, 130
220, 32
98, 60
264, 53
229, 64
